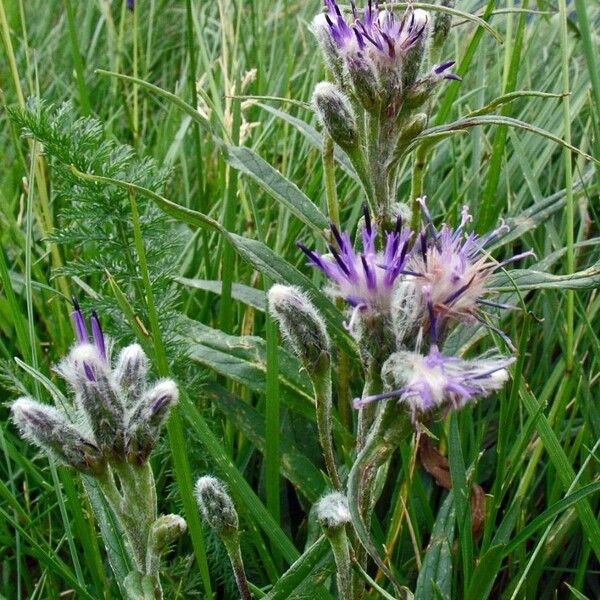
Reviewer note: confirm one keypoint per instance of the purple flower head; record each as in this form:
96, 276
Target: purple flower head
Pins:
380, 35
364, 279
452, 270
433, 381
81, 334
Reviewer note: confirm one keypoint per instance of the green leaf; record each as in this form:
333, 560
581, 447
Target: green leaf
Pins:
243, 359
314, 138
250, 296
310, 570
494, 120
529, 279
260, 256
510, 97
276, 185
244, 495
436, 570
563, 467
487, 569
296, 467
485, 573
263, 259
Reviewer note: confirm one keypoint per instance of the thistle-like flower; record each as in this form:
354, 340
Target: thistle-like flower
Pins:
364, 279
434, 381
379, 51
115, 416
452, 270
379, 35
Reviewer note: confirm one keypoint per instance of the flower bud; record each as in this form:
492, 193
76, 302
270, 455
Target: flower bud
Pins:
46, 427
413, 58
99, 399
147, 419
421, 91
166, 530
130, 373
365, 83
332, 511
216, 505
300, 324
336, 114
321, 30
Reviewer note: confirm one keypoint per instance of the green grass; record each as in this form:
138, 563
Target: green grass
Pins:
246, 412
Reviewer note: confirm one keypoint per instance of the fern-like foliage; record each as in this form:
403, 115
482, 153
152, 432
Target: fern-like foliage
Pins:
94, 220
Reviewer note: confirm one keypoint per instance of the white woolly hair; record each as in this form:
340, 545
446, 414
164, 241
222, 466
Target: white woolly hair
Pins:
131, 353
164, 387
332, 510
70, 368
283, 299
329, 91
22, 407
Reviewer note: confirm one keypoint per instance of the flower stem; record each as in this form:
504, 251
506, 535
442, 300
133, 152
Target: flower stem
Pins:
341, 553
321, 379
232, 545
388, 430
333, 208
416, 190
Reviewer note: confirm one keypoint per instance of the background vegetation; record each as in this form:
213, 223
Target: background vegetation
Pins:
246, 415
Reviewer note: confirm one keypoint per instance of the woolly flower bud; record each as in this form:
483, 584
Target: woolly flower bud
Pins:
165, 531
147, 419
45, 427
414, 55
365, 81
98, 397
321, 30
332, 511
335, 113
130, 372
300, 324
216, 505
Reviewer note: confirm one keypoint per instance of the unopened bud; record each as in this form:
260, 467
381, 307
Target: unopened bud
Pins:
321, 30
166, 530
332, 511
48, 429
216, 505
413, 58
422, 90
147, 419
336, 115
130, 373
365, 83
99, 399
300, 323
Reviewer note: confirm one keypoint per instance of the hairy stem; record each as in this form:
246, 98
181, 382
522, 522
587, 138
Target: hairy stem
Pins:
388, 430
321, 379
416, 190
232, 545
341, 553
